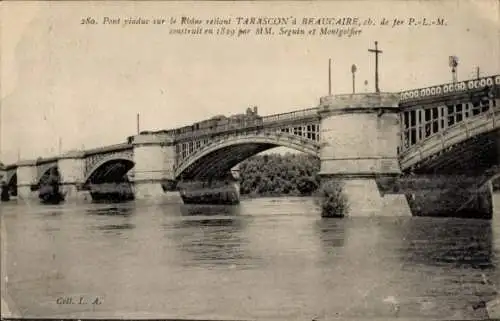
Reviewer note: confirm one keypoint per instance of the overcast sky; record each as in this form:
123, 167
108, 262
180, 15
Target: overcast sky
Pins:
86, 83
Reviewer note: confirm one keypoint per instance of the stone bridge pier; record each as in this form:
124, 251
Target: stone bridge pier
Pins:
359, 146
27, 174
154, 158
71, 168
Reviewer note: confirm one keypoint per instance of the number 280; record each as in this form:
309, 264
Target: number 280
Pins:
88, 21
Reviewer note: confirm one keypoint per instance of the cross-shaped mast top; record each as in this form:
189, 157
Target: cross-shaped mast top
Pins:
377, 52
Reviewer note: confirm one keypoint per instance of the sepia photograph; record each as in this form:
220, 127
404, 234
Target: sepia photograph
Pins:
250, 160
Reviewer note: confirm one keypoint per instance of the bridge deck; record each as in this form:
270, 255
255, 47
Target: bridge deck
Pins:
410, 99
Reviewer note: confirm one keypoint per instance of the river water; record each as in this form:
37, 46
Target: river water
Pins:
269, 258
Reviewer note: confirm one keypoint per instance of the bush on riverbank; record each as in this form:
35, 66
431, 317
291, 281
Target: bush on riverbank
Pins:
332, 200
277, 175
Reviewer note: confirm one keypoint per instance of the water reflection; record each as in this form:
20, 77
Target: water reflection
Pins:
210, 236
411, 267
112, 227
51, 221
114, 220
189, 210
111, 211
449, 243
452, 264
332, 233
52, 214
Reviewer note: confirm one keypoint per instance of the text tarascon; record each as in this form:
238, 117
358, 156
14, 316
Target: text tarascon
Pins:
265, 20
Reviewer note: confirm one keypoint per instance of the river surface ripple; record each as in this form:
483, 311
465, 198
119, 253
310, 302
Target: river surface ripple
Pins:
269, 258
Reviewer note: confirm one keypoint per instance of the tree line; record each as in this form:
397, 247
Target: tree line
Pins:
285, 174
276, 174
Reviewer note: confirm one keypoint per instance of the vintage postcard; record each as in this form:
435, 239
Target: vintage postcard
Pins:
250, 160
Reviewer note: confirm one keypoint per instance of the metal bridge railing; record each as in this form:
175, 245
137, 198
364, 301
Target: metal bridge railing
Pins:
422, 123
449, 88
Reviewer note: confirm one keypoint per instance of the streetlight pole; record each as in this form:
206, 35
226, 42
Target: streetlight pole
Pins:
353, 71
453, 63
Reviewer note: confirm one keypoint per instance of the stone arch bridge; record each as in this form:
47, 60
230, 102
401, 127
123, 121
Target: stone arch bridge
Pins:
389, 147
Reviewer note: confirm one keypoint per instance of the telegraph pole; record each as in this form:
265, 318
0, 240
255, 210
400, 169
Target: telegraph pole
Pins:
0, 130
477, 72
376, 52
329, 77
137, 121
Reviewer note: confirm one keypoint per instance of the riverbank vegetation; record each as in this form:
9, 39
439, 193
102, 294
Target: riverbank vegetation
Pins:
276, 175
292, 175
285, 175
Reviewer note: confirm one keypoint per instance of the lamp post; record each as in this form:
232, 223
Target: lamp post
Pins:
453, 63
353, 71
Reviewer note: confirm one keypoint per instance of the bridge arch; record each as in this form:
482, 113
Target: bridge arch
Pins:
217, 158
111, 169
46, 172
11, 177
11, 181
